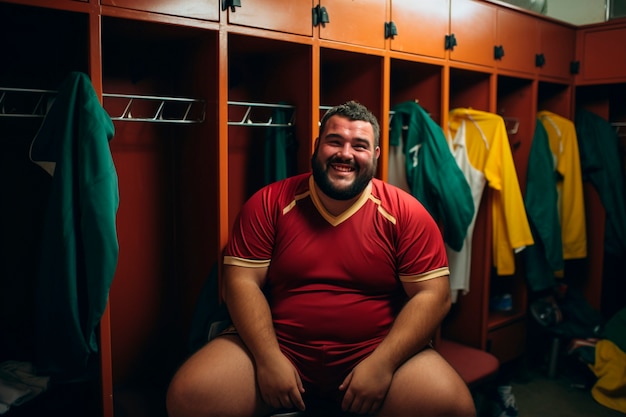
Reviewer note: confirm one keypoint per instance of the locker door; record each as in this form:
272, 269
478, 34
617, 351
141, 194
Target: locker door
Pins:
359, 22
422, 26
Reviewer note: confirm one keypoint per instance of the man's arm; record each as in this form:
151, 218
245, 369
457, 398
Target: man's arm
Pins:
366, 386
429, 302
278, 380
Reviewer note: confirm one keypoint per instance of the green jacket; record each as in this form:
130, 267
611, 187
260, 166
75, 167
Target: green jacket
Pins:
600, 164
545, 257
432, 173
79, 243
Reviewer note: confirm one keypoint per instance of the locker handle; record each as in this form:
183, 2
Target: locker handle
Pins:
498, 51
540, 60
390, 30
231, 3
450, 42
320, 16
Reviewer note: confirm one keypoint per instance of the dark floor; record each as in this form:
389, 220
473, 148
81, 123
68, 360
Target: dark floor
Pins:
567, 394
557, 397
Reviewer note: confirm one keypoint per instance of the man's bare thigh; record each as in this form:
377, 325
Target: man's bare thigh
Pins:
219, 378
426, 385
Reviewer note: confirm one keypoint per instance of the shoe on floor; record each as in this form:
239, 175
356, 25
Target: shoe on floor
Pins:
504, 403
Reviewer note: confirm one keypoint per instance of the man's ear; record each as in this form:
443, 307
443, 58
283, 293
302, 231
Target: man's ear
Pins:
377, 151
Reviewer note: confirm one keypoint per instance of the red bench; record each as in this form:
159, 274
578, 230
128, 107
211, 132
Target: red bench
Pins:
474, 365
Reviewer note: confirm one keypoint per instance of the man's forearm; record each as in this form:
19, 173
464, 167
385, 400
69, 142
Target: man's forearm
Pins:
413, 328
251, 315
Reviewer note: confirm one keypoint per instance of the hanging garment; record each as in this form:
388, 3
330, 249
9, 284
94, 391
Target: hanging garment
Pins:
601, 165
431, 173
545, 257
396, 171
488, 151
79, 243
571, 205
460, 261
280, 148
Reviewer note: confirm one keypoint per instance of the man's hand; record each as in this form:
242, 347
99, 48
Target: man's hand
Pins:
280, 384
365, 387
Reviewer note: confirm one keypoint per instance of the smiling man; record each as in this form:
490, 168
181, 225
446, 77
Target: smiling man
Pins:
335, 282
346, 162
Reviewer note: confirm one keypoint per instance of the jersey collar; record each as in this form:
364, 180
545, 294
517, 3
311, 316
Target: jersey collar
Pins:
337, 220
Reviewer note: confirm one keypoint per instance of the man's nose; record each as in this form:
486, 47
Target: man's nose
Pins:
345, 151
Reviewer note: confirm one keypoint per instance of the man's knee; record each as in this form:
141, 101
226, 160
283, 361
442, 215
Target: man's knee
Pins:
463, 406
427, 385
459, 400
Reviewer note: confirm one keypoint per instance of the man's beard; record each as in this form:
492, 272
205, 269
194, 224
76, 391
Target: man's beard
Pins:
320, 175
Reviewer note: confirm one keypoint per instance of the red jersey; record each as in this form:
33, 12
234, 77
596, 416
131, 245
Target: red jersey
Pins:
336, 279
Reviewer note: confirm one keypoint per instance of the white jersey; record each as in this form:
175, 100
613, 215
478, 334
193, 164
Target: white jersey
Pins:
460, 262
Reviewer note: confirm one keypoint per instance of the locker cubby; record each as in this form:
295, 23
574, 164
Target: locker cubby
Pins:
347, 76
265, 73
554, 97
33, 68
600, 274
417, 81
515, 103
470, 89
168, 214
596, 98
40, 48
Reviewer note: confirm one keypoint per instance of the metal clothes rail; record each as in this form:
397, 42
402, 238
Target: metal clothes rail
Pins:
35, 103
257, 114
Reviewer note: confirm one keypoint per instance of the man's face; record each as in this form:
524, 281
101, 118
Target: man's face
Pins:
345, 158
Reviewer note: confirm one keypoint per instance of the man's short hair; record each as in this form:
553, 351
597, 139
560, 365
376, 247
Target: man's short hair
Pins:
353, 110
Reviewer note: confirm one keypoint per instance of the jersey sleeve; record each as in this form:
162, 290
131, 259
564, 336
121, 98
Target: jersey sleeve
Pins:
421, 252
252, 238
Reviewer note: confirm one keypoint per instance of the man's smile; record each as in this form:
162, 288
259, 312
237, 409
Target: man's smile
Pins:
342, 167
